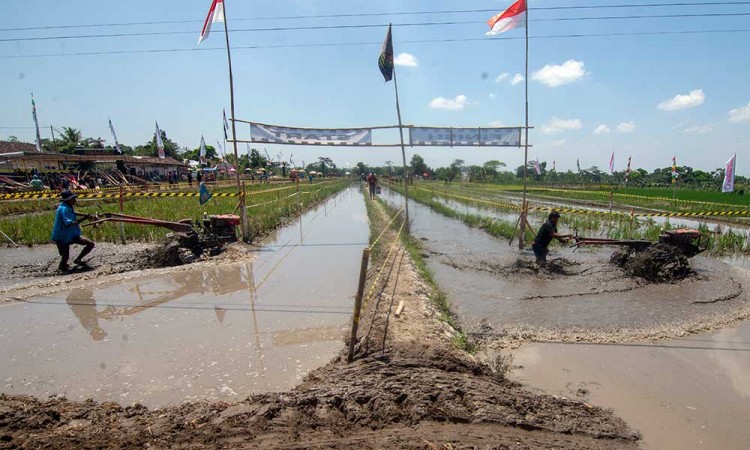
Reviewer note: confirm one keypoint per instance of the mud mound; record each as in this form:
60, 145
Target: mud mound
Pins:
338, 404
168, 255
557, 266
659, 263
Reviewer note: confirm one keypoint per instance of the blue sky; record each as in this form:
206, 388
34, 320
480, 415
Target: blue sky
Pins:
649, 96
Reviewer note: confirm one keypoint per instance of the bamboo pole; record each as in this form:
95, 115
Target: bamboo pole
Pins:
243, 210
403, 150
522, 238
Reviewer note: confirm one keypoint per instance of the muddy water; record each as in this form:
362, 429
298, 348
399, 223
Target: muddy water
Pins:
687, 393
219, 332
477, 273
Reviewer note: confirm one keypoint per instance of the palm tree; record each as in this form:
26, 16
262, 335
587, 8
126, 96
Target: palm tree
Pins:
69, 139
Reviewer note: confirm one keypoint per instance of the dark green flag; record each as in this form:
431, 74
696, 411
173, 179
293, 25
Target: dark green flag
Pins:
385, 61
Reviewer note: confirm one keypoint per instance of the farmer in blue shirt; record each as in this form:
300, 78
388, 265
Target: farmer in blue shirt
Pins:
66, 231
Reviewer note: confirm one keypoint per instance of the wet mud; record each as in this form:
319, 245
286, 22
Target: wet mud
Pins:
503, 299
251, 320
410, 388
408, 400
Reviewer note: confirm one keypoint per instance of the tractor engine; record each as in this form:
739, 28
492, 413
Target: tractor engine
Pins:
223, 226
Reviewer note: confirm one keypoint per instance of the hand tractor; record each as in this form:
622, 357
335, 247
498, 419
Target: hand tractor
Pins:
211, 234
688, 241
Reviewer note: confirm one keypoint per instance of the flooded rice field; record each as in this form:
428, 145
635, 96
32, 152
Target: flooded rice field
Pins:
591, 333
494, 289
206, 332
685, 393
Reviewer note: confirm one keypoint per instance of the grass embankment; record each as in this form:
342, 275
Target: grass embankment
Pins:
415, 249
10, 207
685, 200
615, 227
495, 227
274, 207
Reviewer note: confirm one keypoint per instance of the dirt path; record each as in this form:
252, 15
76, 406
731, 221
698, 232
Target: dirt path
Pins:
408, 388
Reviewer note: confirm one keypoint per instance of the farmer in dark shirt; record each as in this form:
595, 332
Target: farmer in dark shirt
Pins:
546, 233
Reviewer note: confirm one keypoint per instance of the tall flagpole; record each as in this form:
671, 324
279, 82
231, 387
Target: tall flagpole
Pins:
526, 146
403, 150
234, 130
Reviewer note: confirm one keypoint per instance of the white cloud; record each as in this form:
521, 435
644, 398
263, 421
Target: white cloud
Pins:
626, 127
502, 77
602, 129
683, 101
740, 114
517, 78
451, 104
559, 125
406, 60
556, 75
700, 129
492, 96
496, 123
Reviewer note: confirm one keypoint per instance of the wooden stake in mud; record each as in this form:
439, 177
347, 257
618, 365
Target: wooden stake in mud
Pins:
358, 301
122, 225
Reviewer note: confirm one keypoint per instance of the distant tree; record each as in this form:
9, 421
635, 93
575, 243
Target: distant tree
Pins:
491, 167
195, 154
69, 139
171, 148
257, 161
325, 163
418, 166
361, 167
12, 139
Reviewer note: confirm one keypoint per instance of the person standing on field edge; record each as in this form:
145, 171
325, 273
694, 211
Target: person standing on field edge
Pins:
372, 183
66, 231
547, 232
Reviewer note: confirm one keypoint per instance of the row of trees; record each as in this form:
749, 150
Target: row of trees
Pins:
69, 140
494, 171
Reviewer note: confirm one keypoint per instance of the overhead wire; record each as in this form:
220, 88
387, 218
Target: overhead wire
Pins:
382, 14
349, 44
361, 26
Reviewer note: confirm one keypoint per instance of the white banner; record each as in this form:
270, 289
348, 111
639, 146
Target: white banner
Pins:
465, 137
308, 136
728, 185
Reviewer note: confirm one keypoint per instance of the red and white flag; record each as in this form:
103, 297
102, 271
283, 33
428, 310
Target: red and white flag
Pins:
612, 163
728, 185
537, 169
215, 14
513, 17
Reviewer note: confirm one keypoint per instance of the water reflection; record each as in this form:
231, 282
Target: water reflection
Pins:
201, 332
83, 305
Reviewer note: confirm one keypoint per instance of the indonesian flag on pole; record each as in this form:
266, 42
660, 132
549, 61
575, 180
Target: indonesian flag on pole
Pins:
513, 17
728, 185
215, 14
612, 163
